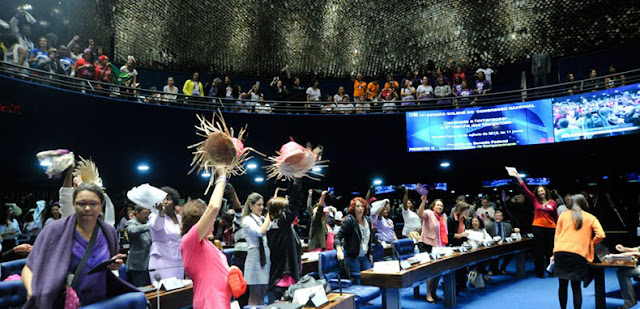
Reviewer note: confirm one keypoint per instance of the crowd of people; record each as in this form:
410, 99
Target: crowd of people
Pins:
267, 235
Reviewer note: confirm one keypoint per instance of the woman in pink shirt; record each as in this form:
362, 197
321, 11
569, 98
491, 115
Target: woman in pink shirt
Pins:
434, 234
205, 264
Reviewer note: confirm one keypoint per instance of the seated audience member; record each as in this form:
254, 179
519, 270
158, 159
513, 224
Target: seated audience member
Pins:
503, 230
442, 91
478, 234
52, 214
164, 255
566, 133
463, 95
329, 106
340, 96
346, 107
572, 86
373, 89
318, 231
424, 90
68, 240
577, 231
170, 91
434, 234
139, 235
362, 106
412, 222
412, 77
284, 243
262, 107
457, 84
9, 227
483, 85
193, 87
383, 225
408, 93
203, 262
624, 277
244, 105
355, 237
389, 105
591, 83
616, 80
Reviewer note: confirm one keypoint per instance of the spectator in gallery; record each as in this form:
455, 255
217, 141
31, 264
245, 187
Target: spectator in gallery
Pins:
413, 79
408, 93
591, 83
244, 105
16, 54
614, 80
442, 91
540, 66
298, 92
231, 91
483, 85
390, 88
130, 69
39, 53
389, 105
391, 81
359, 85
66, 61
424, 90
52, 64
84, 66
572, 86
329, 105
362, 106
373, 89
193, 86
216, 89
440, 74
463, 95
457, 84
460, 69
488, 72
280, 91
346, 107
262, 107
103, 71
255, 93
340, 96
313, 94
170, 91
23, 32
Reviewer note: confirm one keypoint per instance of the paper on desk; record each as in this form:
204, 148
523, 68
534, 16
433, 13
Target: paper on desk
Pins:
446, 251
310, 256
512, 171
475, 236
386, 267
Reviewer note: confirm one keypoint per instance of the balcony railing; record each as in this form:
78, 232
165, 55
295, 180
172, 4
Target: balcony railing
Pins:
153, 97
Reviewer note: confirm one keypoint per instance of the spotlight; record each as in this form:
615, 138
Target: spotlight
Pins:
205, 175
143, 167
453, 192
317, 169
259, 179
523, 175
252, 166
377, 182
445, 164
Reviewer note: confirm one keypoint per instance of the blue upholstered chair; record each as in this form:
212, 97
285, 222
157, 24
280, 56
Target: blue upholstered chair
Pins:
404, 247
12, 294
229, 253
328, 269
133, 300
377, 251
12, 267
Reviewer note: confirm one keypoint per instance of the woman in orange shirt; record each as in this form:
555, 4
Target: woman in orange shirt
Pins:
573, 244
544, 224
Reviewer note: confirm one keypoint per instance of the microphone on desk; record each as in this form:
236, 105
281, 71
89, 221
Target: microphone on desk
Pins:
396, 255
158, 279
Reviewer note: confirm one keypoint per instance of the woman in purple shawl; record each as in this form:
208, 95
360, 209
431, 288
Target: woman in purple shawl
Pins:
60, 247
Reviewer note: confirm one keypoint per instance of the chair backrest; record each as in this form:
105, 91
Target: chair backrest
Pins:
377, 251
123, 273
229, 253
328, 265
404, 247
12, 294
11, 267
133, 300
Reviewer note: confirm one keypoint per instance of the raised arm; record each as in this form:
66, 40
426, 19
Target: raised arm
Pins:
208, 219
405, 198
66, 194
423, 203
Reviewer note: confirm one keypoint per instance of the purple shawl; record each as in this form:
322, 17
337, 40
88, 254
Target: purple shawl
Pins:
49, 261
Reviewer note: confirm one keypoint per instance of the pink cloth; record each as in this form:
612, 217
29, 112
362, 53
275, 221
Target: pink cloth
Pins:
13, 277
207, 267
330, 238
286, 281
316, 250
431, 229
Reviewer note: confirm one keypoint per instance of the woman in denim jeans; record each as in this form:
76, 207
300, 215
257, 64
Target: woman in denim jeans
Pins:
355, 238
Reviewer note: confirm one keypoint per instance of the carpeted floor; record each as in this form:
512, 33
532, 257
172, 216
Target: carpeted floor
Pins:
510, 292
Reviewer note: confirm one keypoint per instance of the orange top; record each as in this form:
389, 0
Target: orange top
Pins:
568, 239
374, 89
359, 88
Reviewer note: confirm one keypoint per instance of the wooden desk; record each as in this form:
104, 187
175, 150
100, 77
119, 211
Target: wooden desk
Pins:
178, 298
597, 270
391, 283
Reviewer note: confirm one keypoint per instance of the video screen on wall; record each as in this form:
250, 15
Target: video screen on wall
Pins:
604, 113
524, 123
540, 181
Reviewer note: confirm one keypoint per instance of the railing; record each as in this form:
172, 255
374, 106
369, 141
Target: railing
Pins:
153, 97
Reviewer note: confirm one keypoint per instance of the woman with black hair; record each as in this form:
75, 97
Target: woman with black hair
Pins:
544, 224
576, 234
9, 227
164, 255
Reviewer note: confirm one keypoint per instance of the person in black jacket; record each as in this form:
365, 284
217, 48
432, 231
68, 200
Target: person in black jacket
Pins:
356, 237
284, 242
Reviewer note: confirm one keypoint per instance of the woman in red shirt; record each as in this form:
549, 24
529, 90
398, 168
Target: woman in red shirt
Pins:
544, 224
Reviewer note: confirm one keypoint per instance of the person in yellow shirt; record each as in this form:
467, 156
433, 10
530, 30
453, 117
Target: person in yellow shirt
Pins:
193, 86
577, 231
359, 85
373, 89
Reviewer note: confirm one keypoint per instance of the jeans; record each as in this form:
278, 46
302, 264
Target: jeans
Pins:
358, 265
626, 287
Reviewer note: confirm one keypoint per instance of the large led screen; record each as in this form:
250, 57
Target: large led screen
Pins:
525, 123
604, 113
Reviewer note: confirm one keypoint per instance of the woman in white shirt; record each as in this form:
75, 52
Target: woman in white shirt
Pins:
9, 227
412, 222
313, 94
408, 94
258, 262
424, 91
170, 91
478, 234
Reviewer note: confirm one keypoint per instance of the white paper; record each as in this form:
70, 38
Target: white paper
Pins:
512, 171
475, 236
446, 251
310, 256
386, 267
235, 305
301, 296
146, 196
423, 257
